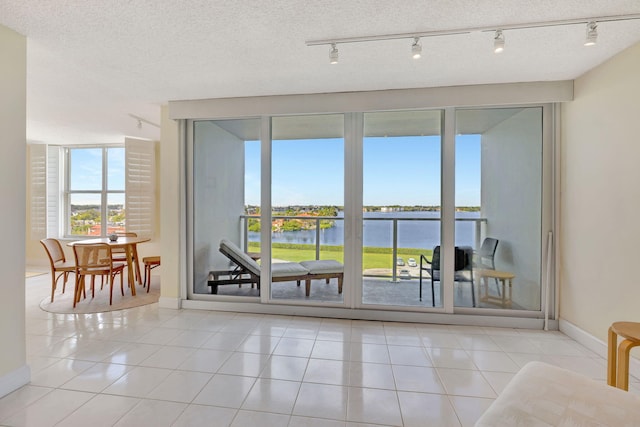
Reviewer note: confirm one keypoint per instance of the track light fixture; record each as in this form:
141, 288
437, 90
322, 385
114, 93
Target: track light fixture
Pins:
333, 54
416, 48
498, 36
498, 42
592, 34
140, 120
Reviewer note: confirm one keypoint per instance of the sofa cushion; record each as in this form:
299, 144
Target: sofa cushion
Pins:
545, 395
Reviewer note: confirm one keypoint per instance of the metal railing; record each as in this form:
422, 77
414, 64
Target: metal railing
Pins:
394, 248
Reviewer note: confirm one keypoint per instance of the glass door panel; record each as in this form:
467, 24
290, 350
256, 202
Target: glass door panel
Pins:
226, 193
307, 191
401, 199
499, 207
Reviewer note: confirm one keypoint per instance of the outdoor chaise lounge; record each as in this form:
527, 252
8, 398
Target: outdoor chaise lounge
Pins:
248, 270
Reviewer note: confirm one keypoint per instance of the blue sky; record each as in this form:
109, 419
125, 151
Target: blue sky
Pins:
86, 173
397, 171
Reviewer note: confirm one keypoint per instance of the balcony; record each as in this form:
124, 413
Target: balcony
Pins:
385, 280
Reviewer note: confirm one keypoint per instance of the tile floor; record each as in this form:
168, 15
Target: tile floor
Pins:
156, 367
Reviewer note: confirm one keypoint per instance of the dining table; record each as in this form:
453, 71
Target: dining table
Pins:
129, 244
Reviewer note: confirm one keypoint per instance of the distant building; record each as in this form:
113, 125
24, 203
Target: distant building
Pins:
391, 209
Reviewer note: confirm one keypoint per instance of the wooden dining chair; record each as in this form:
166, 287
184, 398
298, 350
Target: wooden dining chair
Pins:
150, 262
120, 254
95, 259
60, 267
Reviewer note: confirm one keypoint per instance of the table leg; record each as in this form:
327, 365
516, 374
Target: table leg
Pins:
132, 280
612, 348
136, 261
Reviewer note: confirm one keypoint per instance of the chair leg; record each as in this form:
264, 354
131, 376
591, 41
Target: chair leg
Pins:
53, 284
612, 357
624, 350
473, 293
433, 294
148, 285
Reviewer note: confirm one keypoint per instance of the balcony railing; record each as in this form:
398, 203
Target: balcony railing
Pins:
478, 232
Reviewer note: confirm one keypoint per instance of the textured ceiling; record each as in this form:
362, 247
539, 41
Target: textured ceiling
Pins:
92, 63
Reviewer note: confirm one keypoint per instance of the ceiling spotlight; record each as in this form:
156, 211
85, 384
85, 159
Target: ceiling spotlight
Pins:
416, 48
333, 54
592, 34
498, 41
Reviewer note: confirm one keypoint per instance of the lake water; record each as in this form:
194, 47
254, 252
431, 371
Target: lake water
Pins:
424, 233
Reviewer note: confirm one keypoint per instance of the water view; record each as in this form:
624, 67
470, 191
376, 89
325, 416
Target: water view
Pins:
415, 230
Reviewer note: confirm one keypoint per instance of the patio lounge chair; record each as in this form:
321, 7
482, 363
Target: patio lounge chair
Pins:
248, 270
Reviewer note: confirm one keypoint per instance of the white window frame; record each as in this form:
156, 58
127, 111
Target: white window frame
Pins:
49, 187
449, 99
104, 192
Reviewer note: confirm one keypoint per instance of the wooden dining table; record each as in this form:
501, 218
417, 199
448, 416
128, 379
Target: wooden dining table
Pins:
129, 244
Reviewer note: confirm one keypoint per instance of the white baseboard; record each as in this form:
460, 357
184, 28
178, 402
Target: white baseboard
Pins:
594, 344
173, 303
14, 380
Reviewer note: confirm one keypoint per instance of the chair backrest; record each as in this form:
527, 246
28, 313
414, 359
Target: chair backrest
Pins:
123, 234
92, 257
462, 260
54, 250
235, 254
488, 248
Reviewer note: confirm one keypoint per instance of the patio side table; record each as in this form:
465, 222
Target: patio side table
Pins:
504, 298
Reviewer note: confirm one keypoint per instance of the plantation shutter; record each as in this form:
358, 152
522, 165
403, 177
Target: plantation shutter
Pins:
38, 179
140, 186
55, 166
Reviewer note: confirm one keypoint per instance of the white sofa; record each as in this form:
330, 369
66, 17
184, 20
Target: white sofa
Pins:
544, 395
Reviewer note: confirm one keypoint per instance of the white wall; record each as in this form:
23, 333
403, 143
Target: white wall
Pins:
171, 216
218, 197
13, 107
511, 199
600, 197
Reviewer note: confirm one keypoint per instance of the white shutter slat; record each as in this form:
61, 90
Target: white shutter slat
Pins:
140, 186
38, 178
54, 190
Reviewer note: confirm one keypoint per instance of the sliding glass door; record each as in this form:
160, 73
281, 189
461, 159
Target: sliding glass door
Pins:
307, 207
499, 175
226, 197
401, 216
445, 210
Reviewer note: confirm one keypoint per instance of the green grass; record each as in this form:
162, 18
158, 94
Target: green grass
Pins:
372, 257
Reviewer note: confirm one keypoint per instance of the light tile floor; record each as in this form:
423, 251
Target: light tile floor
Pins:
156, 367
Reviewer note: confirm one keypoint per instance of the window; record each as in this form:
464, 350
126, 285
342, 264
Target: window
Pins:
92, 190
